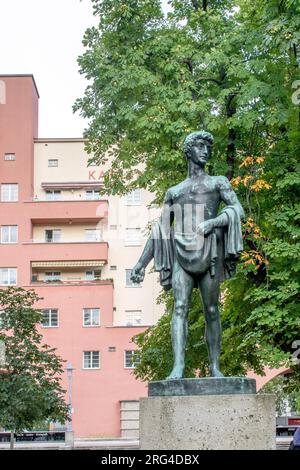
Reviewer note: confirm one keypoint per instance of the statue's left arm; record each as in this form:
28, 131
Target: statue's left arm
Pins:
230, 198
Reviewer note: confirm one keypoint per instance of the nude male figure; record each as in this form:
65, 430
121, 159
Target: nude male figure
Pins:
196, 265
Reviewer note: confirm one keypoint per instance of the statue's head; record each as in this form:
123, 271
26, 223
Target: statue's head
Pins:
199, 142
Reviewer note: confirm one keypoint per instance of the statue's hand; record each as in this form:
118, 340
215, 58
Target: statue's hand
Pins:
205, 228
138, 274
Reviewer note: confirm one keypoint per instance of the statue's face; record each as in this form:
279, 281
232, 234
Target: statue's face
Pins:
201, 151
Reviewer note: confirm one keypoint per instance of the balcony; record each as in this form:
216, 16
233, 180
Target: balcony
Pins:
67, 252
48, 212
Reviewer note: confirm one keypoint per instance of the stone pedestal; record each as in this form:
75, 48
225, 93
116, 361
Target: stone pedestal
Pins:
206, 421
203, 386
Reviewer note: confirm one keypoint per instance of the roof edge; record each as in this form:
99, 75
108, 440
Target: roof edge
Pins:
59, 139
22, 75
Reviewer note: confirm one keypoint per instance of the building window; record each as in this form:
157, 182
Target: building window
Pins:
93, 275
91, 317
53, 195
9, 157
113, 268
91, 360
52, 276
131, 359
133, 237
53, 162
52, 236
9, 234
133, 198
9, 192
129, 282
8, 276
92, 235
133, 317
50, 318
92, 194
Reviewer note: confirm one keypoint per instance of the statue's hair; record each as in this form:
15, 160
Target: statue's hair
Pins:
192, 137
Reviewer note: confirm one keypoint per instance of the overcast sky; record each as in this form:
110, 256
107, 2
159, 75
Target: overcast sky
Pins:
43, 37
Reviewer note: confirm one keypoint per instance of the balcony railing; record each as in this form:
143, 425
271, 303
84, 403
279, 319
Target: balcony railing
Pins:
35, 280
68, 211
61, 242
86, 254
68, 199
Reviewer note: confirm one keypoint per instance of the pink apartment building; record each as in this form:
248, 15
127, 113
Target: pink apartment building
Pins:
76, 251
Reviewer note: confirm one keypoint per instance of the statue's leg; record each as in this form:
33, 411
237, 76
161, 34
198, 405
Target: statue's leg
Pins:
182, 284
210, 288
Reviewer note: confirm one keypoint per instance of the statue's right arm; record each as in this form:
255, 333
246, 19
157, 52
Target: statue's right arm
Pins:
138, 272
147, 255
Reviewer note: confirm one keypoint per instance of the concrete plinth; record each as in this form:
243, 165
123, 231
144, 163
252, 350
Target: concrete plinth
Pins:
208, 422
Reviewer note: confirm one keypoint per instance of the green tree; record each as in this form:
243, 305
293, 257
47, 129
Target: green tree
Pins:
228, 66
30, 389
269, 278
155, 78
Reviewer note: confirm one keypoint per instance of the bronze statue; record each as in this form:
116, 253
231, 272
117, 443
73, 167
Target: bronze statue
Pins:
193, 251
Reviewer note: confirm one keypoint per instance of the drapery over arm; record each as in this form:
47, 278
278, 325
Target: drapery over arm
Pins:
163, 248
233, 241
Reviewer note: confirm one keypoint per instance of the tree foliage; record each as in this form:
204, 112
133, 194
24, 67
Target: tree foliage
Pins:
229, 66
30, 389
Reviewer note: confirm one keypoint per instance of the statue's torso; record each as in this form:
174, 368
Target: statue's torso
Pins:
197, 198
193, 201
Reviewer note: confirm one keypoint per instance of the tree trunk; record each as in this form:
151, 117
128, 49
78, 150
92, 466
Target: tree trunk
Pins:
230, 152
12, 440
231, 136
196, 4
